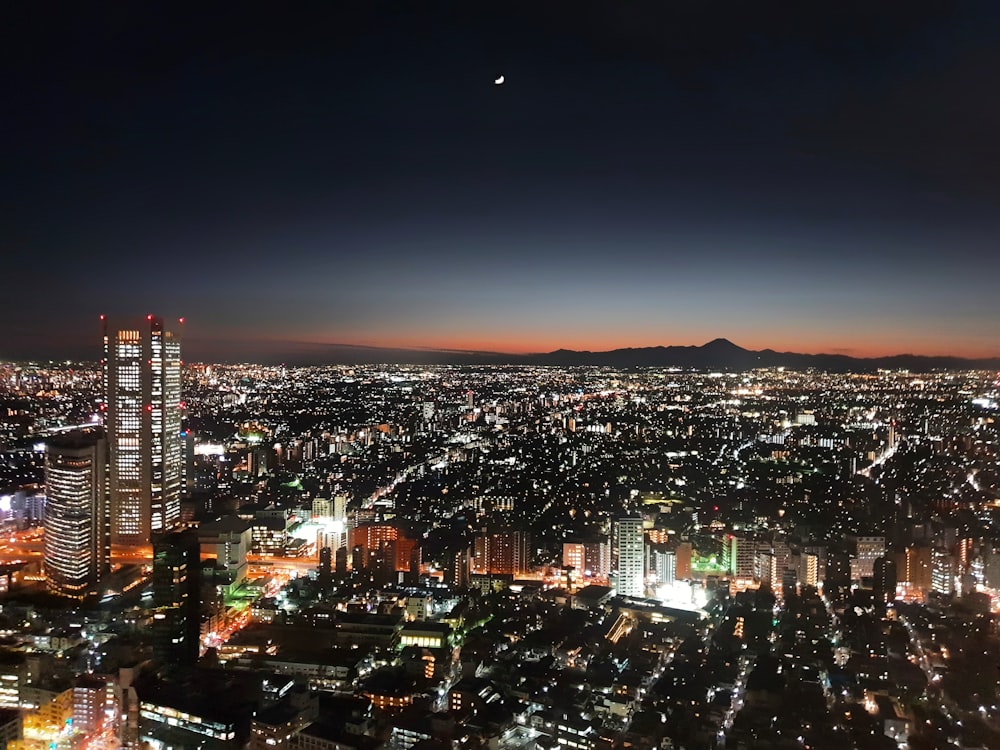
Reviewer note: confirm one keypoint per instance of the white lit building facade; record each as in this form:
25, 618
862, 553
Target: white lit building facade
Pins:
76, 551
631, 557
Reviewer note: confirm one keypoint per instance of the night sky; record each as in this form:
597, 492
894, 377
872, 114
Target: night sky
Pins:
820, 176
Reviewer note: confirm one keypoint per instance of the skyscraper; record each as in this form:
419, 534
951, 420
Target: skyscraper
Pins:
631, 557
177, 598
76, 552
142, 381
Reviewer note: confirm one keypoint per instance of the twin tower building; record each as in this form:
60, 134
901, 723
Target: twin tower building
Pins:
119, 485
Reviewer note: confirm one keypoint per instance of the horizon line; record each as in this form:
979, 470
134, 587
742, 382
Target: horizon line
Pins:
540, 353
445, 350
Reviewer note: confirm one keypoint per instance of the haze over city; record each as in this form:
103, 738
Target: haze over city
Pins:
815, 179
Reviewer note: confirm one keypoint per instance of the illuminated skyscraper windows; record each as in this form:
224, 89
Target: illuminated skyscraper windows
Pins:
142, 378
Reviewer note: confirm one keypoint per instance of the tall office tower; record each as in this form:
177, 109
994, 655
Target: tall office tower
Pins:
631, 557
142, 381
177, 598
76, 552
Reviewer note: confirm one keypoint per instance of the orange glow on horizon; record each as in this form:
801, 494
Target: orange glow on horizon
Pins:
546, 343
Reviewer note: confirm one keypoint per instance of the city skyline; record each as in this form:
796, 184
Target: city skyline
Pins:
805, 180
778, 556
428, 376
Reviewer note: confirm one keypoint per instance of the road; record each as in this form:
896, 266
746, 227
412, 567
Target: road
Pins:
882, 458
298, 564
29, 546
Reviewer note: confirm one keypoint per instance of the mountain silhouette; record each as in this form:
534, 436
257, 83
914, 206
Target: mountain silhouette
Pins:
718, 354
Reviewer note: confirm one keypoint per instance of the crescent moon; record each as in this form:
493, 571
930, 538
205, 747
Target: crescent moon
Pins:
499, 81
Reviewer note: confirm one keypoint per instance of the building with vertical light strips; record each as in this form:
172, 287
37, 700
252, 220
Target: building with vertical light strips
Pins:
502, 551
76, 550
142, 380
631, 547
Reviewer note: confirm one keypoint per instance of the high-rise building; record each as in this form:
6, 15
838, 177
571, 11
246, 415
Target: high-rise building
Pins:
370, 537
95, 704
768, 569
574, 556
809, 569
177, 598
942, 572
884, 580
340, 508
684, 551
631, 545
502, 552
142, 381
76, 552
663, 563
740, 553
458, 568
589, 558
322, 509
914, 570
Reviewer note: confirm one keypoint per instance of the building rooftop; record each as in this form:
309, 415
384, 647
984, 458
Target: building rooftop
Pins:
423, 626
224, 525
83, 438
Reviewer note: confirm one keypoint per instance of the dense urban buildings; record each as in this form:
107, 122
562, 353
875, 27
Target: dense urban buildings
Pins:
573, 555
456, 456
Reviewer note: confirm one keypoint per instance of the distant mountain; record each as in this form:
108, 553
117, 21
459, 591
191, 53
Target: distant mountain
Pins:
720, 354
